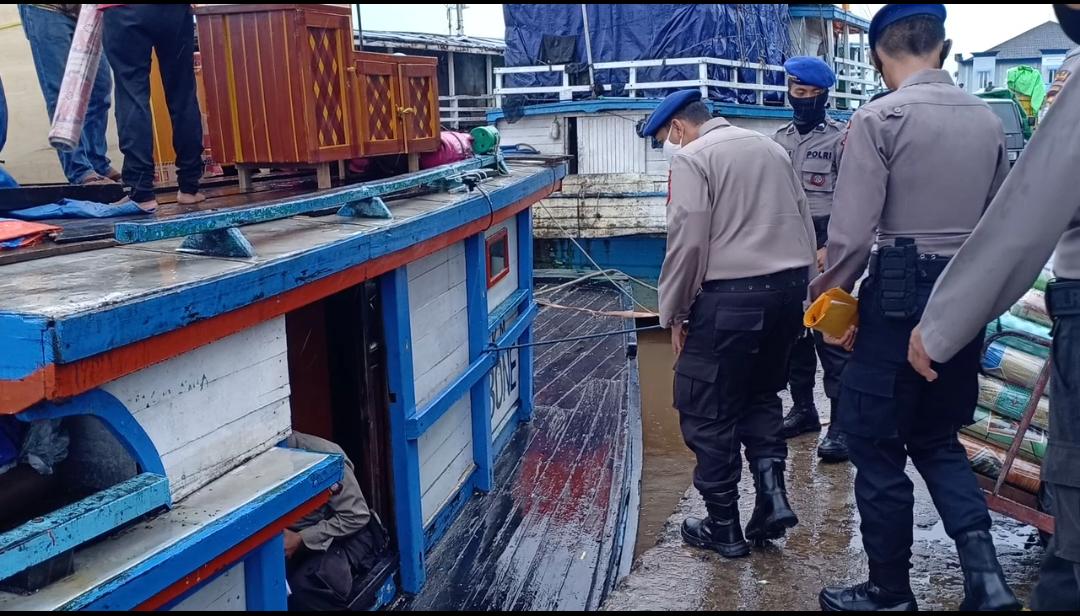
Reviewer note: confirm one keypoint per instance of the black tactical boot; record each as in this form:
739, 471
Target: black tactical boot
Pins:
720, 531
866, 597
801, 419
833, 448
985, 589
772, 514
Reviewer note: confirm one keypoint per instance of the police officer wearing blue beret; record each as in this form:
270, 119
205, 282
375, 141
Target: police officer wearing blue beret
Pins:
814, 142
740, 244
920, 167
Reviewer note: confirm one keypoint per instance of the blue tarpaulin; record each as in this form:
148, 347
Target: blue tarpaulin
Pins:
72, 208
622, 32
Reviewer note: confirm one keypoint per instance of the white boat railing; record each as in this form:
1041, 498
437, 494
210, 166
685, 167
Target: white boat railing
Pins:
464, 111
856, 81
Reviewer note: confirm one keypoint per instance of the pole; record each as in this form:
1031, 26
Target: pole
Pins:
588, 44
359, 28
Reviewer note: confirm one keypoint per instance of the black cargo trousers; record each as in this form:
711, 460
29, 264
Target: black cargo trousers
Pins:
809, 347
731, 370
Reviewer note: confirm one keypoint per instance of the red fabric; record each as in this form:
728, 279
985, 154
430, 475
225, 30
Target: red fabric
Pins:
102, 7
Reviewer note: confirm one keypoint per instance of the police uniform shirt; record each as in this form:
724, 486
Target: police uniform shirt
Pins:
1038, 207
736, 211
347, 511
923, 162
816, 159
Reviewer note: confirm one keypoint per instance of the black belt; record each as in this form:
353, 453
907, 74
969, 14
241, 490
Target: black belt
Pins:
1063, 298
930, 266
789, 279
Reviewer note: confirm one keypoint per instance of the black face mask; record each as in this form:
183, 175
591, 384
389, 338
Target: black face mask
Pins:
809, 112
1069, 20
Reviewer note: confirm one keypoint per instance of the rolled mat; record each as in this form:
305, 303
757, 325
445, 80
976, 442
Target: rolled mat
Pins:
82, 65
1032, 307
988, 460
1044, 279
1010, 401
998, 430
1012, 366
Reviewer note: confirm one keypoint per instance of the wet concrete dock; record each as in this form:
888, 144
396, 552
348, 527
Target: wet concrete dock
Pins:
825, 548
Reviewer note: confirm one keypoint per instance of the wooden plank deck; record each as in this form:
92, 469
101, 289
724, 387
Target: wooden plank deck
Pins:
549, 537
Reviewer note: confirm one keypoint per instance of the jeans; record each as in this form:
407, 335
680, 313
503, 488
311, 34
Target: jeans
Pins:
131, 32
50, 35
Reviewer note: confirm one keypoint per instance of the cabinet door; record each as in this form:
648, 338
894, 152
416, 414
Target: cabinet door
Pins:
420, 113
377, 99
328, 49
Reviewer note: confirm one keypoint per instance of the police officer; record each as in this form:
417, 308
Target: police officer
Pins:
814, 143
920, 166
739, 249
1036, 209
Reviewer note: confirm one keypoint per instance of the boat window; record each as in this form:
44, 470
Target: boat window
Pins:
498, 257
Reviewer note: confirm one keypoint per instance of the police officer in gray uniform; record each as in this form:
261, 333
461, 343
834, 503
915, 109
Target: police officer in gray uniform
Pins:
920, 166
1037, 208
814, 143
739, 250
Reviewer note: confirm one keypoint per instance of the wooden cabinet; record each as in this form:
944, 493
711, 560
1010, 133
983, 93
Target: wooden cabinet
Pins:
284, 86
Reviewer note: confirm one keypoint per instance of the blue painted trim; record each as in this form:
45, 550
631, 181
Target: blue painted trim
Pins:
509, 306
68, 527
171, 605
502, 439
584, 107
93, 332
25, 350
827, 11
450, 512
227, 243
594, 105
428, 416
189, 224
158, 571
106, 407
525, 281
385, 594
264, 577
476, 280
394, 293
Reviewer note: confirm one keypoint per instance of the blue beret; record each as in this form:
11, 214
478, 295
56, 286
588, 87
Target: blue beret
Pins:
667, 108
810, 71
892, 13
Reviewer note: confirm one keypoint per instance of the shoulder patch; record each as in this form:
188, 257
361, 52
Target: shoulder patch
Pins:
1060, 78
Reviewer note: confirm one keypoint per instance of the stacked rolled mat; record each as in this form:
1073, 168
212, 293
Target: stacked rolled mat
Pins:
1010, 368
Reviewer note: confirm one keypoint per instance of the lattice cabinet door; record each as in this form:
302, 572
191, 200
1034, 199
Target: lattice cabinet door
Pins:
377, 98
327, 52
420, 111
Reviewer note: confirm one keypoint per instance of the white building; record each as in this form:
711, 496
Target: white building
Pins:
1042, 47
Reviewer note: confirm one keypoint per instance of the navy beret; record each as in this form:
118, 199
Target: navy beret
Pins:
667, 108
810, 71
892, 13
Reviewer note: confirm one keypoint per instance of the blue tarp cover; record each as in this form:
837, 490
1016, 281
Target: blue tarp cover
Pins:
623, 32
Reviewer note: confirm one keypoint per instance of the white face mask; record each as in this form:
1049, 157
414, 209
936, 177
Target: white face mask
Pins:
670, 149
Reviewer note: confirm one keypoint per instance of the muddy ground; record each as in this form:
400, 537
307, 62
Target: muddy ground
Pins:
825, 548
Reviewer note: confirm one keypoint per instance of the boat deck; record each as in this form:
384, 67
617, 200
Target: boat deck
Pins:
558, 530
